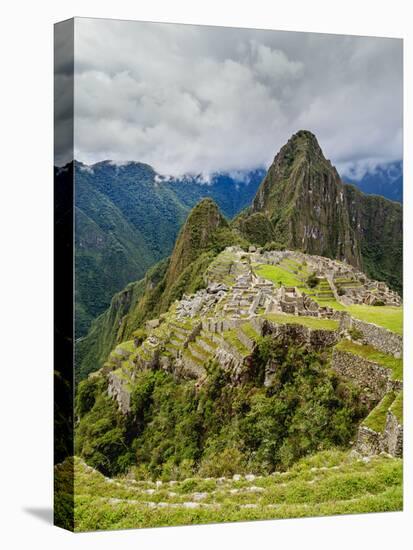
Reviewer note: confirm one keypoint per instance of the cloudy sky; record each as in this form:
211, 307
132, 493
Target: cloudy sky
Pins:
205, 99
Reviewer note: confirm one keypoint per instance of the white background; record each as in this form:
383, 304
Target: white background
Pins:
26, 122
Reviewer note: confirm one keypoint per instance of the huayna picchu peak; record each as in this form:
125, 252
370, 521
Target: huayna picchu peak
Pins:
303, 204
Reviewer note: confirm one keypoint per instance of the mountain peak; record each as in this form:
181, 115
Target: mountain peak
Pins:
196, 234
302, 146
304, 199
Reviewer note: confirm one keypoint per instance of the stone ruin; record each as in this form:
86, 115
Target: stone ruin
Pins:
348, 284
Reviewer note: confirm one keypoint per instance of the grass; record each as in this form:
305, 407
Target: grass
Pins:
397, 407
277, 275
372, 354
128, 346
310, 322
232, 338
389, 317
330, 482
376, 420
249, 331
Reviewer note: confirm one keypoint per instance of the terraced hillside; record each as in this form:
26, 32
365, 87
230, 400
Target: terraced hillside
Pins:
223, 408
330, 482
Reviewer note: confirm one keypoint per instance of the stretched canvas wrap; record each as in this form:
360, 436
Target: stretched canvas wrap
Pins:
228, 290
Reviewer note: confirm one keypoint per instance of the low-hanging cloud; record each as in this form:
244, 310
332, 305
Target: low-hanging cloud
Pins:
189, 99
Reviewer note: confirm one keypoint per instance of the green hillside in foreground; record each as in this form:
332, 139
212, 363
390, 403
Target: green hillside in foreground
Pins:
327, 483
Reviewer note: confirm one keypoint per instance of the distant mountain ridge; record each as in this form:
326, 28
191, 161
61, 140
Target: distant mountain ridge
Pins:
127, 219
385, 180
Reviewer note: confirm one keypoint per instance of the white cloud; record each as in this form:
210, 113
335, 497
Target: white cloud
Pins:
204, 99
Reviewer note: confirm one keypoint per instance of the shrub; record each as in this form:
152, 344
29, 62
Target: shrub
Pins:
312, 280
273, 245
379, 303
175, 429
340, 291
355, 333
226, 463
139, 335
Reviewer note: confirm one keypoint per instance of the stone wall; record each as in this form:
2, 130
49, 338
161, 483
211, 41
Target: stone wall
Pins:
373, 379
301, 335
379, 337
393, 434
370, 442
231, 363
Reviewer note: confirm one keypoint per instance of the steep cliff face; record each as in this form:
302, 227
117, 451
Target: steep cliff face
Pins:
378, 224
303, 197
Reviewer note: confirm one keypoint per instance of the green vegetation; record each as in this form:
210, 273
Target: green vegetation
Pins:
312, 280
329, 482
355, 333
372, 354
397, 407
204, 235
256, 228
117, 208
310, 322
172, 425
389, 317
282, 414
366, 230
232, 338
381, 236
376, 420
277, 275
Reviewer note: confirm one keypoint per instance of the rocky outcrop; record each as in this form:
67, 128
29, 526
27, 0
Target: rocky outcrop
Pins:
118, 390
303, 197
378, 224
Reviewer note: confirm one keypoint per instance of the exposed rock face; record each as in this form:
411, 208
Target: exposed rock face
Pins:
303, 197
117, 390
